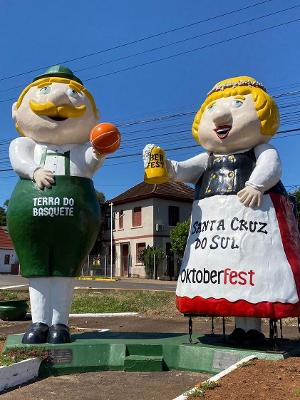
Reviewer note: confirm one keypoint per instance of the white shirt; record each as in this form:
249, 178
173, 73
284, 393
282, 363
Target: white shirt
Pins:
26, 156
265, 175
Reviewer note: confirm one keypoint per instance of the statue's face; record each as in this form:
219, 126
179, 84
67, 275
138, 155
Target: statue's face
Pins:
230, 124
55, 113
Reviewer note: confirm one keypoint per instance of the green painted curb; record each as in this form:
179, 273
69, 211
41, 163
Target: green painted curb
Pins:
96, 351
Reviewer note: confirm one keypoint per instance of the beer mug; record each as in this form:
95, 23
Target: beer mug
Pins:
156, 171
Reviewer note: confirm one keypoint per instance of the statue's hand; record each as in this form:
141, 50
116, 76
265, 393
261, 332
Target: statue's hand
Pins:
43, 178
250, 197
147, 153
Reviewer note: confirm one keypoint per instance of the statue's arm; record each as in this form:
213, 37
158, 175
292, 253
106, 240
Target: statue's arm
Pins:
265, 175
93, 159
188, 171
267, 171
21, 154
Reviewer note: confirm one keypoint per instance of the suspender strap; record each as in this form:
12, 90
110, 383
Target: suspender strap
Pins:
43, 158
66, 156
67, 163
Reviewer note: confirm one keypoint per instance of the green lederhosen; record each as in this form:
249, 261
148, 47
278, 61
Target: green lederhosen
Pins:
53, 230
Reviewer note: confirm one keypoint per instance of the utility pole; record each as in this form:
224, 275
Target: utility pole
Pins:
111, 240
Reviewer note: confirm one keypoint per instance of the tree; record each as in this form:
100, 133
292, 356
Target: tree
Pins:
3, 211
295, 198
179, 236
150, 256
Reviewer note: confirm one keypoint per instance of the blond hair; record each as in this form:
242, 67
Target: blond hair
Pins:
74, 84
266, 108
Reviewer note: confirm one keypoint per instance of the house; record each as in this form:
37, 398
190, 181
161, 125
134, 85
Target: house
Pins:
8, 258
144, 216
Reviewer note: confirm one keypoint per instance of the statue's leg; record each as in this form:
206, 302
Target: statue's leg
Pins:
248, 323
252, 327
39, 292
61, 297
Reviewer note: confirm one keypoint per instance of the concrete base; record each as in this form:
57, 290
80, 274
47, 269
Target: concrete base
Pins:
96, 351
19, 373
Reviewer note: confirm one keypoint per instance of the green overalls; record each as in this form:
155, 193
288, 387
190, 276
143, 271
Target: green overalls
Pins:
53, 230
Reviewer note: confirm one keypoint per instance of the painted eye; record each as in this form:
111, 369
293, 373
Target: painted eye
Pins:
45, 89
73, 93
211, 107
237, 103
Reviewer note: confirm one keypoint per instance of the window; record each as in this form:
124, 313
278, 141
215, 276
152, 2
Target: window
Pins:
6, 259
107, 221
140, 247
114, 221
137, 216
173, 215
121, 214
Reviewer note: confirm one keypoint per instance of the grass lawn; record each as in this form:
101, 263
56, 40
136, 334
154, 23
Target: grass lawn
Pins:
102, 301
142, 301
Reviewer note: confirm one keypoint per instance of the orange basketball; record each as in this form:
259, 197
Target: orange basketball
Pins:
105, 138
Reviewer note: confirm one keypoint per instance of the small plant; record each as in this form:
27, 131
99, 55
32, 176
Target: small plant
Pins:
200, 390
152, 257
13, 295
298, 392
16, 355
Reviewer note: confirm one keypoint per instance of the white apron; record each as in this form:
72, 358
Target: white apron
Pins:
235, 253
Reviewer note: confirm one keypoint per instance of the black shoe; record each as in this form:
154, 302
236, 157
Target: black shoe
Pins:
255, 338
237, 337
59, 333
36, 334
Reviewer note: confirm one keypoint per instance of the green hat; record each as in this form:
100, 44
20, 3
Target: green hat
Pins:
59, 71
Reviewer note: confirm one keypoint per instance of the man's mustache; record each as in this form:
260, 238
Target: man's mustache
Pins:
51, 110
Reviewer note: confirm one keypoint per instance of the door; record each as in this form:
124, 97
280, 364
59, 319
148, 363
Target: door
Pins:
124, 259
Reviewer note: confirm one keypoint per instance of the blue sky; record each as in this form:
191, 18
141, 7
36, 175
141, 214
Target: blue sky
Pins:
36, 34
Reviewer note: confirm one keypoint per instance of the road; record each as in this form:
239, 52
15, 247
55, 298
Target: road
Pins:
125, 283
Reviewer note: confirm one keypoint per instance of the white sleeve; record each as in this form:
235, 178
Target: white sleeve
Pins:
93, 160
188, 171
21, 154
267, 171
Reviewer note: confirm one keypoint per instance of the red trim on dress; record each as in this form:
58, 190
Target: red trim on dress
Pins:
221, 307
241, 308
289, 231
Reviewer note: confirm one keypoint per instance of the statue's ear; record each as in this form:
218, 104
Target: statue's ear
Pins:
14, 111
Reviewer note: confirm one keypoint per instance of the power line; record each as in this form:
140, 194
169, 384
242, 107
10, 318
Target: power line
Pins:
187, 39
183, 52
171, 149
138, 40
192, 50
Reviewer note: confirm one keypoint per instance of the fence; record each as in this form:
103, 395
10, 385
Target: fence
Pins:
167, 268
99, 266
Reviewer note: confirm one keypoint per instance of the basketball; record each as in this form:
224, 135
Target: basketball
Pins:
105, 138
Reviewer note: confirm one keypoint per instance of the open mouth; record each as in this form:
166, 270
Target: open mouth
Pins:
223, 131
57, 118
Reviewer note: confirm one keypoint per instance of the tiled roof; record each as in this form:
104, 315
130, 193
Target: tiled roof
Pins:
5, 240
170, 190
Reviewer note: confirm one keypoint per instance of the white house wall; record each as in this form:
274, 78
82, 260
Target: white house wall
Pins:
6, 268
161, 221
132, 235
154, 230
